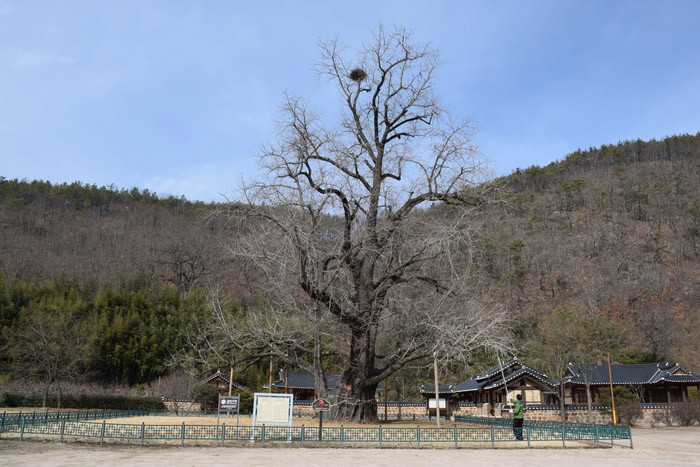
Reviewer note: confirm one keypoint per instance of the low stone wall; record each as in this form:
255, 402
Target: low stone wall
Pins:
652, 414
181, 405
406, 409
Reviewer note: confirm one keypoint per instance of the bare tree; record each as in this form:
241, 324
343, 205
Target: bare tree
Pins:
335, 226
48, 346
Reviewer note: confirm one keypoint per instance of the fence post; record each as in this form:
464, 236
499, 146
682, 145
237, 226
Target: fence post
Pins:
262, 436
455, 427
612, 427
630, 431
527, 433
380, 436
563, 435
223, 433
342, 436
102, 433
21, 432
597, 438
418, 428
493, 444
302, 435
143, 430
63, 429
182, 436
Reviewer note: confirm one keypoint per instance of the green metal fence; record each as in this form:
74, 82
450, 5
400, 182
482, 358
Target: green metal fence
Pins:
380, 436
14, 418
547, 430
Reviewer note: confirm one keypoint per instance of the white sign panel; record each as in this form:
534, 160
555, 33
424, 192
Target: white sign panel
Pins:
431, 403
273, 409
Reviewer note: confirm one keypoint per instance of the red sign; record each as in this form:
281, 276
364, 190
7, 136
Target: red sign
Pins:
321, 405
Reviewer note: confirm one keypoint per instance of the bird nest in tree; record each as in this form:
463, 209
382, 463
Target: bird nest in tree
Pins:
358, 74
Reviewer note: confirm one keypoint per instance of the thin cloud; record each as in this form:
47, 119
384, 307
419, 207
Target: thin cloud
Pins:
24, 59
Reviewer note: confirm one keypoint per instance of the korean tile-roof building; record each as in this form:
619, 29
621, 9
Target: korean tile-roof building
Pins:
220, 381
653, 382
489, 387
301, 384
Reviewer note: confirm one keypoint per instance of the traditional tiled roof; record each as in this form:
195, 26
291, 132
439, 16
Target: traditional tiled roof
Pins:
470, 385
304, 380
442, 388
493, 377
524, 370
645, 373
498, 369
218, 374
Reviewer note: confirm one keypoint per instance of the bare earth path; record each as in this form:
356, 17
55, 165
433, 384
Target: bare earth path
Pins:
652, 447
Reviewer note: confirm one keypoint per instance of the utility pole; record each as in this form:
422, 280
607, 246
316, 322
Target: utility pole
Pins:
437, 390
269, 386
612, 396
286, 374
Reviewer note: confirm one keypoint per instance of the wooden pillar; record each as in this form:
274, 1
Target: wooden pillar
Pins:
270, 377
286, 375
437, 390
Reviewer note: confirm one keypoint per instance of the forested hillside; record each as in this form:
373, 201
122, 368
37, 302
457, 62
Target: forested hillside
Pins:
609, 234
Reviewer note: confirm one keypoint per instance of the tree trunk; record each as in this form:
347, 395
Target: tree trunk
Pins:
46, 393
320, 382
589, 403
356, 403
562, 403
356, 398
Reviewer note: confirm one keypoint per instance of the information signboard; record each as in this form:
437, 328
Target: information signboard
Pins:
229, 404
431, 403
273, 409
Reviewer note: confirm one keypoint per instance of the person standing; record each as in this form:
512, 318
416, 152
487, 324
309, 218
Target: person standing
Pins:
518, 416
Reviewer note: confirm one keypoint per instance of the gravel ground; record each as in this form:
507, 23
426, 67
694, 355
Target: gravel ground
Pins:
657, 447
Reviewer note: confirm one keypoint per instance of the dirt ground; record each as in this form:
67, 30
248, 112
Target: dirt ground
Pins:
657, 447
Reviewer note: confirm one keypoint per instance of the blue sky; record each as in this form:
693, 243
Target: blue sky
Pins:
178, 96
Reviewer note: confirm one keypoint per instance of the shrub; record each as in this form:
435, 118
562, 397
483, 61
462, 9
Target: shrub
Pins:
104, 402
628, 407
686, 413
663, 417
207, 395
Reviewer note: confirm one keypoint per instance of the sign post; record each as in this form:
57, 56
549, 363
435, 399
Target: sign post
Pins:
320, 406
229, 404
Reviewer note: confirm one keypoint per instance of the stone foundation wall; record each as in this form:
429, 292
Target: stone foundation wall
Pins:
408, 409
181, 405
652, 414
